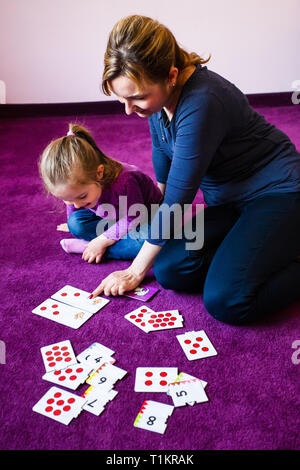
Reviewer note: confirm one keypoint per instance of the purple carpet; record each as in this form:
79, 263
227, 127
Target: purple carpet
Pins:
252, 382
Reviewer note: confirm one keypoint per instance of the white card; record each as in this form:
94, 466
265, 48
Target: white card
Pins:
95, 355
97, 399
58, 355
71, 377
106, 376
153, 416
186, 392
60, 405
62, 313
166, 320
80, 299
137, 317
196, 345
154, 379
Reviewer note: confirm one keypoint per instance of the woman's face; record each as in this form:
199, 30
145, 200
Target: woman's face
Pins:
150, 99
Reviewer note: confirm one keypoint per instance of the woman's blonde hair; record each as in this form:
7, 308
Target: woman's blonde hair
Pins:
74, 159
141, 48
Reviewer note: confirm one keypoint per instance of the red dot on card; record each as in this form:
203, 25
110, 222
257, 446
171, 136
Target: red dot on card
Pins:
57, 353
73, 377
171, 323
68, 371
43, 308
153, 316
163, 382
143, 324
132, 316
66, 353
71, 400
161, 315
196, 345
50, 358
48, 353
50, 401
149, 374
156, 325
187, 341
168, 314
62, 378
66, 408
199, 338
56, 412
163, 324
57, 372
173, 318
158, 320
166, 319
64, 294
60, 402
205, 348
79, 370
54, 306
193, 351
140, 315
163, 374
144, 310
68, 359
49, 408
138, 320
55, 348
77, 294
151, 321
59, 358
148, 382
51, 364
56, 312
64, 348
57, 395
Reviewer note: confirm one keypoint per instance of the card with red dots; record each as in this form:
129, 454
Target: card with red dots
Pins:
60, 405
71, 377
166, 320
138, 317
80, 299
154, 379
62, 313
58, 355
196, 345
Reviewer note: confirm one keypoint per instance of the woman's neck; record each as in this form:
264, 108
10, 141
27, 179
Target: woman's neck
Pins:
176, 92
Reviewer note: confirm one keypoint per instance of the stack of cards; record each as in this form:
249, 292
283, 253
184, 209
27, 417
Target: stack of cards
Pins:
95, 366
196, 345
147, 320
70, 306
184, 389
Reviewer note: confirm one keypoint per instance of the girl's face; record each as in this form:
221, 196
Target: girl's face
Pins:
80, 195
149, 100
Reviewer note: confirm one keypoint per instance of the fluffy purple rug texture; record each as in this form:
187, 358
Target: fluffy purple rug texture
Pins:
252, 382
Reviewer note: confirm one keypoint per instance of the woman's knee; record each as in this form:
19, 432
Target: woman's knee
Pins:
76, 225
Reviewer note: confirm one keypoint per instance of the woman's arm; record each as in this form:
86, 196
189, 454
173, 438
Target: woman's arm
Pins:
119, 282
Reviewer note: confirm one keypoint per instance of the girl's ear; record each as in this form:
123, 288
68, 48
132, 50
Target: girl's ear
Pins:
100, 171
173, 75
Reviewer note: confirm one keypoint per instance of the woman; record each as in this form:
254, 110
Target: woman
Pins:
205, 135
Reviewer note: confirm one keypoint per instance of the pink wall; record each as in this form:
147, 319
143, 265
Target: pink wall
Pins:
52, 51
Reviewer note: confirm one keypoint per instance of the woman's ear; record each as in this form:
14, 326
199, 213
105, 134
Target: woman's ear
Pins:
100, 172
173, 75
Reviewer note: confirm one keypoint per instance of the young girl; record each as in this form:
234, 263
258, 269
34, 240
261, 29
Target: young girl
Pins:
90, 183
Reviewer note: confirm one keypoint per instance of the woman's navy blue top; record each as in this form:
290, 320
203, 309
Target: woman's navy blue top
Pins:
217, 142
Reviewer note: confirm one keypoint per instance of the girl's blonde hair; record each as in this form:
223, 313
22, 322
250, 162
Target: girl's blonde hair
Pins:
141, 48
75, 159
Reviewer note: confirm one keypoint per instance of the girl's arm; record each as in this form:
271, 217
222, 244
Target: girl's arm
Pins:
119, 282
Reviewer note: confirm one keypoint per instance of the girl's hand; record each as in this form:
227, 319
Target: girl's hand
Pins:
96, 249
62, 228
118, 282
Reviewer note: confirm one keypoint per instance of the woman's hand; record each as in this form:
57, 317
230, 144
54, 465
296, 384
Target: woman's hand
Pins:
118, 282
96, 249
62, 228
